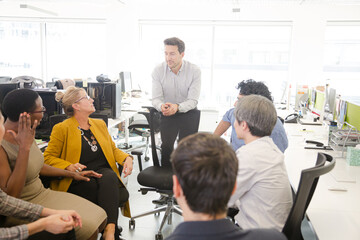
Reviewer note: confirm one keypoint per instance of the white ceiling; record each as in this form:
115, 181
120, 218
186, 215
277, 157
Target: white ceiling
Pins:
179, 2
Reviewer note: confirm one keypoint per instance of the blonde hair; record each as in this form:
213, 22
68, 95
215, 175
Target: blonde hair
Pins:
68, 98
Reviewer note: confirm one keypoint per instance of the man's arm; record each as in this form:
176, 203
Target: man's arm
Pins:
55, 224
10, 206
193, 94
157, 91
221, 128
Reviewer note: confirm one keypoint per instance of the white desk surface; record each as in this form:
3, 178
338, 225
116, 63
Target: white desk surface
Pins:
334, 214
129, 109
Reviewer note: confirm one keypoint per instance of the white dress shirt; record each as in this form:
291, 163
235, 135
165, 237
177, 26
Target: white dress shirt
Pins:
182, 88
263, 193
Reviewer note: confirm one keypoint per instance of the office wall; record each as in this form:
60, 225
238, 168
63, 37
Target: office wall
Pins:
309, 21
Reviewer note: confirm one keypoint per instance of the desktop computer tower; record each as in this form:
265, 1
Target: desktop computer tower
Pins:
107, 98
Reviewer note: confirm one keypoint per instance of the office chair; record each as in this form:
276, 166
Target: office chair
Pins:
159, 179
137, 127
55, 119
100, 116
307, 185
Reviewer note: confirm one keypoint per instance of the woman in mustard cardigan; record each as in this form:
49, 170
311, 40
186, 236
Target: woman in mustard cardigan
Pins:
80, 143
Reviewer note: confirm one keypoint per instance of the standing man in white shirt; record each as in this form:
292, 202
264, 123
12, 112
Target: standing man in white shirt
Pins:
175, 93
263, 194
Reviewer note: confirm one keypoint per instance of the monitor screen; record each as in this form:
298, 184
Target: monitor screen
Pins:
52, 108
126, 82
313, 97
5, 88
107, 98
330, 102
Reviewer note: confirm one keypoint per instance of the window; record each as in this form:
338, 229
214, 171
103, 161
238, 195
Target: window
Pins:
243, 52
20, 49
53, 49
342, 56
76, 50
227, 53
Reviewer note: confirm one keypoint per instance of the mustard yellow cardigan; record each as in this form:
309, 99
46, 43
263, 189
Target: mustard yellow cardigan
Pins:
64, 149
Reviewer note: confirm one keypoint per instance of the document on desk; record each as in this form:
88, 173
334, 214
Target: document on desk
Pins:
342, 176
308, 122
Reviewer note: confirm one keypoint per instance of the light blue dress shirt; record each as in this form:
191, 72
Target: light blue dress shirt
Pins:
278, 134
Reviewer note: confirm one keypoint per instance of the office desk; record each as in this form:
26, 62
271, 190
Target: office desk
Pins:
334, 214
131, 107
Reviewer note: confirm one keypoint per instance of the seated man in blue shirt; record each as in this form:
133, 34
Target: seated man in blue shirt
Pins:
249, 87
205, 169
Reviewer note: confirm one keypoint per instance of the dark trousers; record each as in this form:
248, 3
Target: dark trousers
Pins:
106, 192
182, 124
49, 236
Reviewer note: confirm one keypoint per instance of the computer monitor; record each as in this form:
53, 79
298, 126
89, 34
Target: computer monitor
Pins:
126, 82
313, 97
52, 108
5, 88
330, 101
107, 98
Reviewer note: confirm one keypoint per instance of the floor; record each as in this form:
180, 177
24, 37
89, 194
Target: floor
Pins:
145, 227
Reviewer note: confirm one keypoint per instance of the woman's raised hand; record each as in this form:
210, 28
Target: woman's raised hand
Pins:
26, 133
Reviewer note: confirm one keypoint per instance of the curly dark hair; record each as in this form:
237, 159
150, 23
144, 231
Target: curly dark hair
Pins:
250, 86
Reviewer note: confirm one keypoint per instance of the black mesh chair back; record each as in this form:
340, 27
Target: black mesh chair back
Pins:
307, 185
157, 178
55, 119
100, 116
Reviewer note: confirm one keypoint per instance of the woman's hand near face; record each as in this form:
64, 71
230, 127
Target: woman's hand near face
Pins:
26, 133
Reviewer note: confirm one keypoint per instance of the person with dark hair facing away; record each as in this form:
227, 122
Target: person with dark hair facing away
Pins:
205, 169
22, 162
82, 143
263, 194
175, 93
43, 222
248, 87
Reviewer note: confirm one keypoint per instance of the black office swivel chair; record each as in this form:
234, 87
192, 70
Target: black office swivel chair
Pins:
159, 179
307, 185
142, 128
55, 119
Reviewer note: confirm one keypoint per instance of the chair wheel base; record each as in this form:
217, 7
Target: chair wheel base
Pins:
131, 224
159, 236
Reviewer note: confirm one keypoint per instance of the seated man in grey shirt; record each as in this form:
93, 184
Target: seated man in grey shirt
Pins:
205, 169
175, 92
248, 87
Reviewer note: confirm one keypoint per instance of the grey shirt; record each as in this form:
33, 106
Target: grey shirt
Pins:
182, 88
